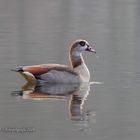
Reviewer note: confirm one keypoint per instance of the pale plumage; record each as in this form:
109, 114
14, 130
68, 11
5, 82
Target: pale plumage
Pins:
56, 73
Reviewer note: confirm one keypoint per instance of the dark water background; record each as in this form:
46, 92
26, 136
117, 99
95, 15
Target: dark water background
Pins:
40, 31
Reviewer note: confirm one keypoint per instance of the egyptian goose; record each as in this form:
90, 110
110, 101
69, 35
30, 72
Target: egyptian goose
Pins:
56, 73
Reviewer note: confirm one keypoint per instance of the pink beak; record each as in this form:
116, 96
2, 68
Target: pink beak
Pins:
89, 49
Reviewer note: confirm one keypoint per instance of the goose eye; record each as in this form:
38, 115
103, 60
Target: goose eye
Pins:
82, 43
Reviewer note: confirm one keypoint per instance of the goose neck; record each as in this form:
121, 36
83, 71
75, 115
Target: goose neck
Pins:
76, 58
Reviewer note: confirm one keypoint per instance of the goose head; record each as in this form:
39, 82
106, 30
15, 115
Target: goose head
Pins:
79, 46
76, 49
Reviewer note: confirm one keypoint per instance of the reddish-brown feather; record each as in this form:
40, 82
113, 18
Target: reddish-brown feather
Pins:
44, 68
36, 69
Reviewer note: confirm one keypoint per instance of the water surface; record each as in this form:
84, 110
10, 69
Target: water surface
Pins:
34, 32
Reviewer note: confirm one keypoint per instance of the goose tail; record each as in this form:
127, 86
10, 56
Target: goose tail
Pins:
17, 69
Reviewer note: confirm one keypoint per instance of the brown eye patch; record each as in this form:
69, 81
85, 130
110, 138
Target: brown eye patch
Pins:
82, 43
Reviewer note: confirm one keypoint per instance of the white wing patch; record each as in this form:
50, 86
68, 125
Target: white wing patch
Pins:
56, 76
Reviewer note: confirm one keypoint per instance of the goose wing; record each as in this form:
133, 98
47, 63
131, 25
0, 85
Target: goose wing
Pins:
45, 68
52, 73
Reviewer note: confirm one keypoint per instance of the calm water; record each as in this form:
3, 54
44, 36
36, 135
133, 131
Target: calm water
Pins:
40, 31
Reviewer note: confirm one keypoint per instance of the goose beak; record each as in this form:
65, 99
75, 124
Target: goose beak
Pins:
89, 49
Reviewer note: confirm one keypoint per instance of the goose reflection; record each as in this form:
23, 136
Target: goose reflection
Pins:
77, 100
48, 91
75, 94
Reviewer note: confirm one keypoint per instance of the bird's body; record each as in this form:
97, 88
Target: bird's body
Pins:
56, 73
